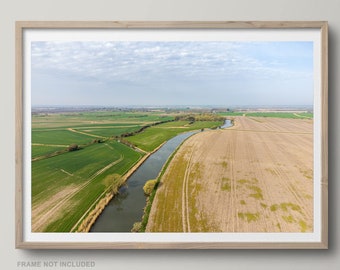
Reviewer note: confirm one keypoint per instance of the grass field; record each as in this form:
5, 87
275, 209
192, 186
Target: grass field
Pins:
154, 136
109, 131
40, 150
67, 184
54, 132
61, 137
71, 182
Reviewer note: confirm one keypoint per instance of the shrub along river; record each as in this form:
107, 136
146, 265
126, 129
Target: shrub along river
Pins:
126, 207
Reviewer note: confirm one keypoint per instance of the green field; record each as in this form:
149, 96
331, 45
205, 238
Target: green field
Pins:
40, 150
53, 132
109, 131
82, 169
95, 118
154, 136
82, 164
67, 183
59, 137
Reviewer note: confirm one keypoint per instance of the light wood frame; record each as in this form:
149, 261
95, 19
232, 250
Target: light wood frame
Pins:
23, 25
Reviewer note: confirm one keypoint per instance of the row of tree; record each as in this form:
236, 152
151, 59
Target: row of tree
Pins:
128, 134
199, 117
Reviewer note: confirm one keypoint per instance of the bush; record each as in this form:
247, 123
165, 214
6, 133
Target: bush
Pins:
73, 147
136, 227
149, 186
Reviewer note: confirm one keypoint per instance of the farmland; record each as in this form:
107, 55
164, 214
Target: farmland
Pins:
155, 136
254, 177
78, 158
274, 114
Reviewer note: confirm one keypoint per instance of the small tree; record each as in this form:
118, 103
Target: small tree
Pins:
113, 182
149, 186
73, 147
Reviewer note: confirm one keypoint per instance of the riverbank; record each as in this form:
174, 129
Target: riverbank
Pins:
131, 199
128, 206
149, 201
90, 219
150, 198
141, 226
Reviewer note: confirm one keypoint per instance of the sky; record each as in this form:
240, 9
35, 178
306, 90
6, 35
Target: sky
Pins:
152, 73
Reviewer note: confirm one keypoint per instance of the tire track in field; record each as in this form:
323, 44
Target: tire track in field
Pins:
277, 170
185, 199
233, 185
256, 156
37, 226
282, 176
254, 159
288, 187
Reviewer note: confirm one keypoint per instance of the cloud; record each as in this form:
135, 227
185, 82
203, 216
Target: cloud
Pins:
138, 60
170, 66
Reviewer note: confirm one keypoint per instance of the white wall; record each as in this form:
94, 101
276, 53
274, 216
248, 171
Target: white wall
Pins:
11, 11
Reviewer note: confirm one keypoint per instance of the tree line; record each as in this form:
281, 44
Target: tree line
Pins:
129, 134
200, 117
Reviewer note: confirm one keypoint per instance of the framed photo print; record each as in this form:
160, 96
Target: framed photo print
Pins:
171, 135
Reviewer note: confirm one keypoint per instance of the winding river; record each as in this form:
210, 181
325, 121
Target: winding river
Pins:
126, 208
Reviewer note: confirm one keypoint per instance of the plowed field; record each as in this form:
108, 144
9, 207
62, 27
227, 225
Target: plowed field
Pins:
254, 177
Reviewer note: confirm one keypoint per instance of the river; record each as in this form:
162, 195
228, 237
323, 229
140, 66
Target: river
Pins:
126, 208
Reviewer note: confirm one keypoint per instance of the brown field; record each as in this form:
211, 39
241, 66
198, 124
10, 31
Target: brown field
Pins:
254, 177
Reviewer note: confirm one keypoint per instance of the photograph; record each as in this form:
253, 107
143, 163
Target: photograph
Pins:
172, 134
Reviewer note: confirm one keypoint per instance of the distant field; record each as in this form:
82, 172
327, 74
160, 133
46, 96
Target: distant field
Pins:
65, 137
156, 135
109, 131
270, 114
73, 120
49, 130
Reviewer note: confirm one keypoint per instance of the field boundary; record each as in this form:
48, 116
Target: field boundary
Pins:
87, 134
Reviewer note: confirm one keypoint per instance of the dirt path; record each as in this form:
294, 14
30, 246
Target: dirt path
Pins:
254, 177
52, 145
85, 133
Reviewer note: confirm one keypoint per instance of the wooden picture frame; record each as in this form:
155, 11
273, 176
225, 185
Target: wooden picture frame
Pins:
317, 239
